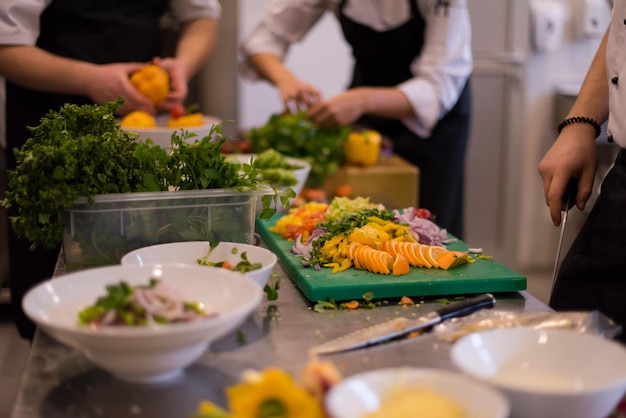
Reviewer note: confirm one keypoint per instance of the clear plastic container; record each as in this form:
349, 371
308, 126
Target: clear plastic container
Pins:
101, 233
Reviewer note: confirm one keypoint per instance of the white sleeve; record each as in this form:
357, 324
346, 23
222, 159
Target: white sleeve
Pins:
283, 22
442, 68
187, 10
19, 21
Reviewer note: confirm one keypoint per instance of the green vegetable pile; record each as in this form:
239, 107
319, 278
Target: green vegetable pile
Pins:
81, 151
294, 135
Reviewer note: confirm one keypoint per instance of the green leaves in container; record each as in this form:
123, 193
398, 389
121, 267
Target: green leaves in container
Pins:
296, 136
76, 151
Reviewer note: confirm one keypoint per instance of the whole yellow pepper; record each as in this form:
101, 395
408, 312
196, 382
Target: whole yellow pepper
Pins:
362, 148
138, 119
194, 119
153, 82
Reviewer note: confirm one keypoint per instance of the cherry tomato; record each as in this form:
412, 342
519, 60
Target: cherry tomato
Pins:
423, 213
177, 111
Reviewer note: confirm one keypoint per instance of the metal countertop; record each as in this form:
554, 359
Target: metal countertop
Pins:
61, 382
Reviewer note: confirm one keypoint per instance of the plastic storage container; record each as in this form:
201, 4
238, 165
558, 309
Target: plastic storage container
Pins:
100, 234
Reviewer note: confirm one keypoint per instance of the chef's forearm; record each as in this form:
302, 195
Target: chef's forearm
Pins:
593, 98
270, 68
196, 43
34, 68
387, 102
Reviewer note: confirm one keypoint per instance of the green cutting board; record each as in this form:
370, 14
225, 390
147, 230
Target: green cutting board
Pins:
483, 276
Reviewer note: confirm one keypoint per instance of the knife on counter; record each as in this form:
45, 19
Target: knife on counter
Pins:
569, 199
399, 327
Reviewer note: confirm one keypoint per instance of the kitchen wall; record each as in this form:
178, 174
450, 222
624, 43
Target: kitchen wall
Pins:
547, 75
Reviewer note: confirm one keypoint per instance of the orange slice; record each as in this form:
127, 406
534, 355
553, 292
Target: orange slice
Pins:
433, 252
418, 253
400, 266
384, 258
422, 251
405, 250
451, 259
390, 247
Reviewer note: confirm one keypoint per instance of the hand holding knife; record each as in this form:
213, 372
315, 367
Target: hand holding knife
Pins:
569, 200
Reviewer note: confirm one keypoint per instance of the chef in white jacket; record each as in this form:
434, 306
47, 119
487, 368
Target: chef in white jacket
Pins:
592, 275
410, 81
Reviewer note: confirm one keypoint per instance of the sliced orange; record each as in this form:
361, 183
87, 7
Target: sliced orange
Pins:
384, 259
406, 249
432, 254
418, 253
351, 249
400, 266
390, 247
451, 259
422, 251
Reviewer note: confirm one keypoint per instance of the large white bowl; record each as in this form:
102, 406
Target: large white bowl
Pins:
143, 354
190, 252
162, 135
301, 174
547, 372
362, 393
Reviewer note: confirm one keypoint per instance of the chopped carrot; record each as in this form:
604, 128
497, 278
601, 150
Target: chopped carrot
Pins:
353, 304
405, 300
227, 265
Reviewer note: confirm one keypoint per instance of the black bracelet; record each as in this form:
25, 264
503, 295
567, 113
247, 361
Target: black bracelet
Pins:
579, 119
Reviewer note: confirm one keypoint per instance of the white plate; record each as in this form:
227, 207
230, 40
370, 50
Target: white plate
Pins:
362, 393
547, 372
162, 135
143, 354
190, 252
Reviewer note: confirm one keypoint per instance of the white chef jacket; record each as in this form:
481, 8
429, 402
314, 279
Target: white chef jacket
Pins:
616, 74
19, 19
440, 71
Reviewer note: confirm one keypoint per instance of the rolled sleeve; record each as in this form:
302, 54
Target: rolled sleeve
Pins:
188, 10
19, 22
284, 22
442, 69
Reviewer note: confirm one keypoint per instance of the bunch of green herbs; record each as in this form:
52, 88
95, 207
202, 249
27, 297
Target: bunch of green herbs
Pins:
81, 151
294, 135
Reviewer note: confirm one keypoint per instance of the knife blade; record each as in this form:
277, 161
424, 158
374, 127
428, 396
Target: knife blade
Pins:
402, 326
568, 200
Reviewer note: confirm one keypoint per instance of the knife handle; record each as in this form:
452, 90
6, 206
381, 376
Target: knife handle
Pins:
467, 306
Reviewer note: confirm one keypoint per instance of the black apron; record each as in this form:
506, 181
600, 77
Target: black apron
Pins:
98, 31
384, 59
592, 275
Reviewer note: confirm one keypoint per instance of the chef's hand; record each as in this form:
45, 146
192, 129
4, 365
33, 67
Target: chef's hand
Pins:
297, 95
178, 82
572, 156
340, 110
110, 81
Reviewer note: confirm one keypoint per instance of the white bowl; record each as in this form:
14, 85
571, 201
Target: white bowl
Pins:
362, 393
547, 372
143, 354
190, 252
301, 174
162, 135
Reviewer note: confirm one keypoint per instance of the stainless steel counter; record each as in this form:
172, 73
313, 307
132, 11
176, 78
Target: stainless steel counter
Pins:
60, 382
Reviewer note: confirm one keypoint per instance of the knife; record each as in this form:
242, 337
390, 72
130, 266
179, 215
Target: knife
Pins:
402, 326
569, 199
